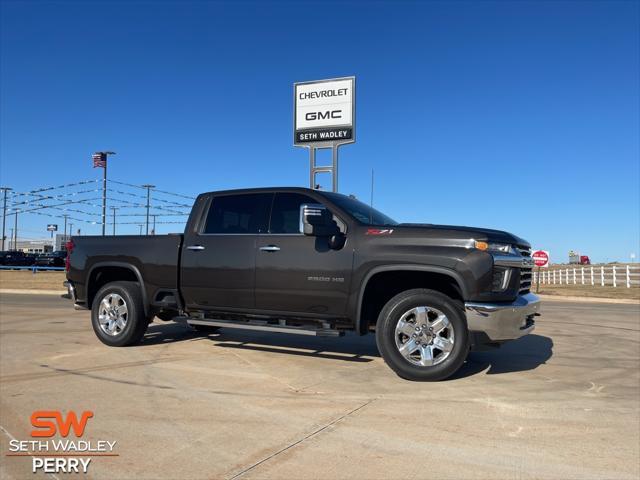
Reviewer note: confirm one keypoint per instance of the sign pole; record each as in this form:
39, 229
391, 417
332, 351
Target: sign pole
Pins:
540, 259
334, 163
312, 166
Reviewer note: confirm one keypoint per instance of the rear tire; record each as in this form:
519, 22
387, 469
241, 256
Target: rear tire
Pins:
117, 314
422, 335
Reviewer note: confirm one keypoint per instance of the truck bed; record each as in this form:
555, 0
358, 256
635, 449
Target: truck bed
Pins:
153, 258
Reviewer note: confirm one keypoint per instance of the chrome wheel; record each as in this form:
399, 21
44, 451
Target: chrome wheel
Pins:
424, 336
113, 314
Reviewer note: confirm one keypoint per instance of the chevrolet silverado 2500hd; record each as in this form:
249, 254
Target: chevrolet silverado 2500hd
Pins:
309, 262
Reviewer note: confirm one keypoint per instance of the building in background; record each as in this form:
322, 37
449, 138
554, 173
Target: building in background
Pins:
34, 246
59, 241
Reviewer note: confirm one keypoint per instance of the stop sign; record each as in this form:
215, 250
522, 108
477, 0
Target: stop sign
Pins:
540, 258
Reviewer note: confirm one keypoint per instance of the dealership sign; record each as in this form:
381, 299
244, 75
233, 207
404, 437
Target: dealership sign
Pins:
324, 112
52, 227
540, 258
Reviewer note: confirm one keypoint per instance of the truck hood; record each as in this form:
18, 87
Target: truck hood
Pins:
459, 232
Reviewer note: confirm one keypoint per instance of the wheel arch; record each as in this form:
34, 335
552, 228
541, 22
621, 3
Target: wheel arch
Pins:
106, 272
426, 276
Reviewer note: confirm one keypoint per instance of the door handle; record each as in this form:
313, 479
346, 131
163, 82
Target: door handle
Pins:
195, 247
270, 248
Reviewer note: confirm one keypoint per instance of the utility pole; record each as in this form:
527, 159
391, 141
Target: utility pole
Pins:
114, 219
141, 228
100, 160
65, 229
148, 187
15, 231
11, 239
70, 230
154, 224
4, 212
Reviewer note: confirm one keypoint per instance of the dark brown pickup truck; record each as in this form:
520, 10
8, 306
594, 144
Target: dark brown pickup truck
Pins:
308, 262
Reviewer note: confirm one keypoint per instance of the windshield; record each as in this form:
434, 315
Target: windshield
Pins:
361, 211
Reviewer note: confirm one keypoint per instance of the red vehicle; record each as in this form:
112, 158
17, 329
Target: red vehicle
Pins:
584, 260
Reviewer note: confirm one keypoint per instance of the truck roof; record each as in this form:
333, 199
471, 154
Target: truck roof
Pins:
265, 190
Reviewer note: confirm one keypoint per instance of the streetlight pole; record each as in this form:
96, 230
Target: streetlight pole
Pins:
148, 187
104, 189
114, 219
4, 212
141, 228
70, 230
154, 224
65, 229
11, 239
15, 231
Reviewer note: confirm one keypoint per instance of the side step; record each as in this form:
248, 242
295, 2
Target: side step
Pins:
265, 327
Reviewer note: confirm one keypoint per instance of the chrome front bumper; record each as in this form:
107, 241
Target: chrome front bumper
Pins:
502, 321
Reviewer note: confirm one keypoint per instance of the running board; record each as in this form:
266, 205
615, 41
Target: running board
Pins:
265, 327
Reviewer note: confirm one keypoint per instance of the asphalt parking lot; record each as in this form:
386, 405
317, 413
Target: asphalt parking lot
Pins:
561, 403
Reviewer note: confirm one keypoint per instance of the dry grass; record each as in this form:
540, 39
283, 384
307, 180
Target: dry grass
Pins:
590, 291
15, 279
53, 281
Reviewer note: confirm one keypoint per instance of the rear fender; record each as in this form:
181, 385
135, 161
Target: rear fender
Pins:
124, 265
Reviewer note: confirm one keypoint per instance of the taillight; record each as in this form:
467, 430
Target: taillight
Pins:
67, 261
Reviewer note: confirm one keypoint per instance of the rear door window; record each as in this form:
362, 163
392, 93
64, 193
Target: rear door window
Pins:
239, 214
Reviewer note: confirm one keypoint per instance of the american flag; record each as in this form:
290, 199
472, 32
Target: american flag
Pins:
99, 160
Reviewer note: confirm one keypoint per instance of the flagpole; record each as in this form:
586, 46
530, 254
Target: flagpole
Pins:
104, 197
103, 160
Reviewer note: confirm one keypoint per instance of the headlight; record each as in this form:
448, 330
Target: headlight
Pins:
494, 247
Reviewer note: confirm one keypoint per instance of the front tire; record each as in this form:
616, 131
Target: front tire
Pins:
422, 335
117, 314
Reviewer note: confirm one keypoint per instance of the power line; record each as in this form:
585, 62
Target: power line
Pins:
54, 197
157, 199
41, 207
46, 201
44, 189
161, 191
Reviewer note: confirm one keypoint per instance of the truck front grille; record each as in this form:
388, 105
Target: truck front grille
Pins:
525, 281
525, 273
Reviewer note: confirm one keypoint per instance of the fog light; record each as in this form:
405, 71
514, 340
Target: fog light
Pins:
500, 279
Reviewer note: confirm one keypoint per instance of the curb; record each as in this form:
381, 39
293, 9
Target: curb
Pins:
33, 292
564, 298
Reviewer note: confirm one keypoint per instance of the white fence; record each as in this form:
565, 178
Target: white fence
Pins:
597, 275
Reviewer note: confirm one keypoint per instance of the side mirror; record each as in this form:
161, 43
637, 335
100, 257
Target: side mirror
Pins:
316, 220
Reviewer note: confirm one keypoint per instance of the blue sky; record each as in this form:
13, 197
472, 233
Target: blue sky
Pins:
522, 116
